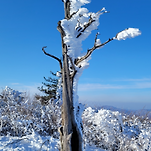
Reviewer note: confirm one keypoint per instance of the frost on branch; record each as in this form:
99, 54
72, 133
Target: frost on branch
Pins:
78, 28
98, 42
76, 4
128, 33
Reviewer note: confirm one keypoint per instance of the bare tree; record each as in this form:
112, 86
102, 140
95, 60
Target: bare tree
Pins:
76, 27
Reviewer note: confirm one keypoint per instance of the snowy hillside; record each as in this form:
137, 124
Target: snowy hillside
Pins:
27, 125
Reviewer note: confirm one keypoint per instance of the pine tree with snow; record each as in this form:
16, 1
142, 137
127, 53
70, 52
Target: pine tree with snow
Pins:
74, 29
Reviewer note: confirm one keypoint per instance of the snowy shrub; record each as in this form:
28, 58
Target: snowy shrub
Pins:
137, 133
20, 116
111, 131
103, 128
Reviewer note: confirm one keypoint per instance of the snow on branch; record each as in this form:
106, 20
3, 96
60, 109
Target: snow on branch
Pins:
102, 11
76, 4
92, 18
97, 45
128, 33
97, 41
78, 28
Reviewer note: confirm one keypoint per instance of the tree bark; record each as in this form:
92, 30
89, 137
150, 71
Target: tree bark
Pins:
70, 136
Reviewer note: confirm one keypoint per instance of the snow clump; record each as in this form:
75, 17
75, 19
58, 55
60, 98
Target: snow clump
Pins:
128, 33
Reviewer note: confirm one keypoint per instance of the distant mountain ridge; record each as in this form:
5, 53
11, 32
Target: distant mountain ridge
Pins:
141, 112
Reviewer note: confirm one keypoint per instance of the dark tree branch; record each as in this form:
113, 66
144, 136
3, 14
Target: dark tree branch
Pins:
67, 9
89, 52
100, 12
86, 26
60, 29
96, 37
74, 13
98, 46
67, 5
60, 63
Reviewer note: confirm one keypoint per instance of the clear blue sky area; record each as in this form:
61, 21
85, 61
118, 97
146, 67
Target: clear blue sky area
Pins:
119, 74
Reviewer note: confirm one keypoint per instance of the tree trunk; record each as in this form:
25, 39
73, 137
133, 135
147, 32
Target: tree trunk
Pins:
71, 139
70, 136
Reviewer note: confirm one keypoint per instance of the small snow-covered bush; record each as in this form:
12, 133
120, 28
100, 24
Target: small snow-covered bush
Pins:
111, 131
102, 128
19, 116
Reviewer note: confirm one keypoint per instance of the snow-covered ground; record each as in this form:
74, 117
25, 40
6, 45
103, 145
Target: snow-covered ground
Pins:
26, 125
34, 142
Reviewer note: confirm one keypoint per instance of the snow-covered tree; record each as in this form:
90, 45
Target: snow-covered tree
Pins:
74, 28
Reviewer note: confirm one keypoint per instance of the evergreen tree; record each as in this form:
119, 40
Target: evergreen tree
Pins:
49, 89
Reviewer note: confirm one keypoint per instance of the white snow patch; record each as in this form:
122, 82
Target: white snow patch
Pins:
33, 142
76, 4
128, 33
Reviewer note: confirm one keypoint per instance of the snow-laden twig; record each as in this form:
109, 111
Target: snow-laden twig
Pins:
89, 52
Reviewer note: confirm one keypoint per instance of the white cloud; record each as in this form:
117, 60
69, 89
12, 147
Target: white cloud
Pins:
97, 86
126, 101
14, 83
135, 80
143, 85
31, 89
127, 97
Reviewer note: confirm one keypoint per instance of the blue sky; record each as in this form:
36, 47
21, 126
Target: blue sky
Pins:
119, 74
